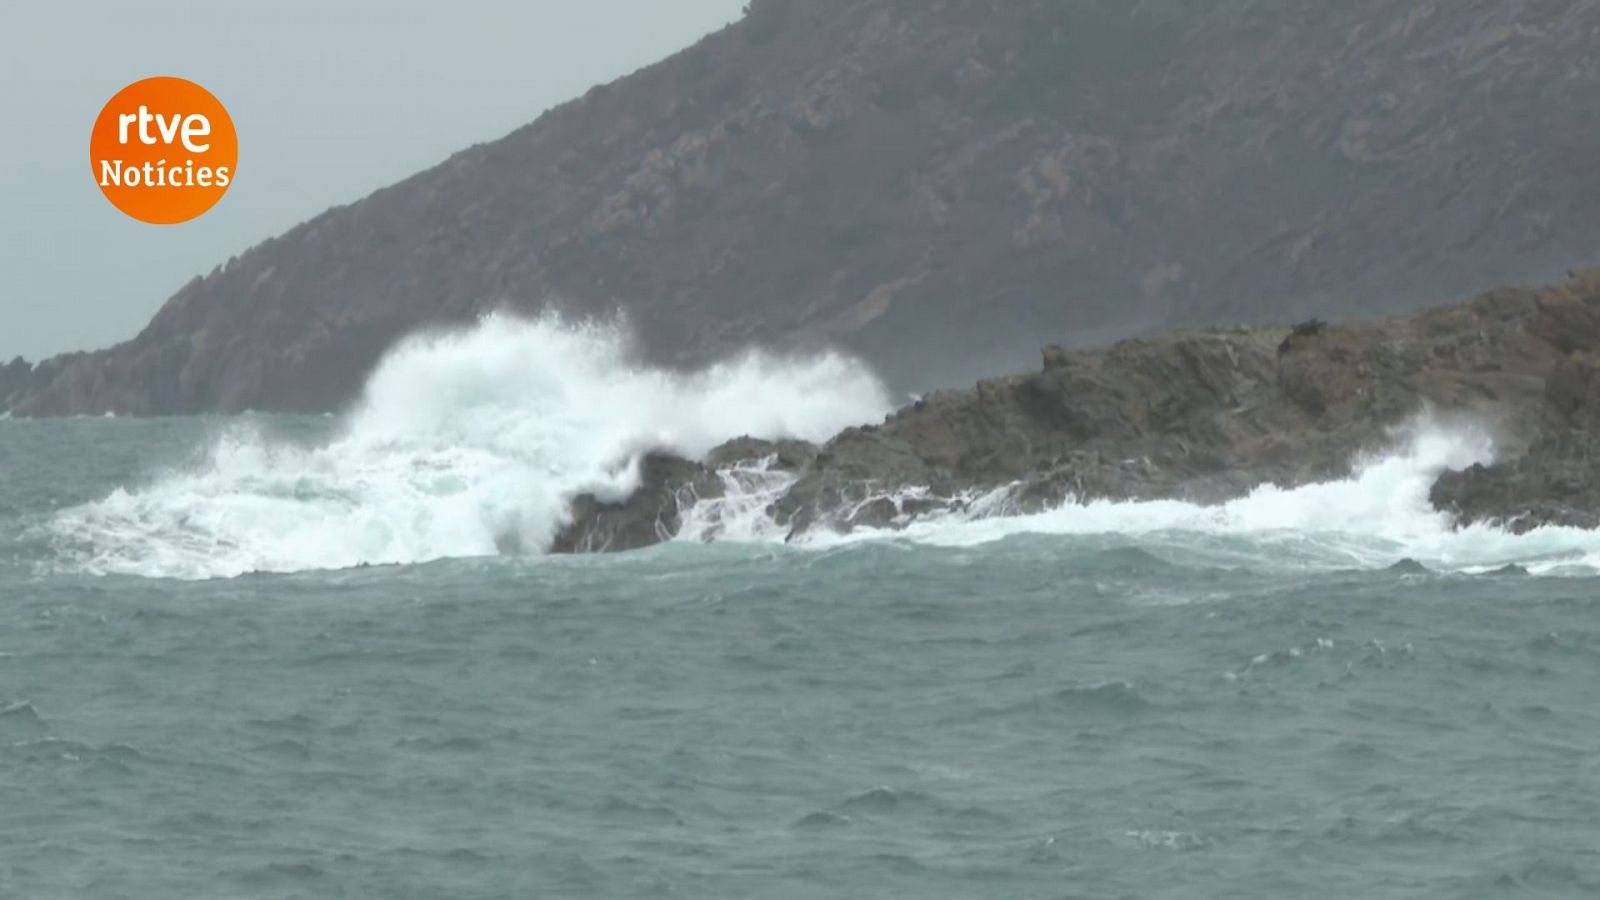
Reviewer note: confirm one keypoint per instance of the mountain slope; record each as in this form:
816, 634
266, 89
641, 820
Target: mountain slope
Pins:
940, 187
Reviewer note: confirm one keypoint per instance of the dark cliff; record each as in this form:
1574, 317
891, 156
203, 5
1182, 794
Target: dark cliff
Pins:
938, 186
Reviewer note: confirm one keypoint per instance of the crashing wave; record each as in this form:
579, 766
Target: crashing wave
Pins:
1379, 514
476, 442
468, 443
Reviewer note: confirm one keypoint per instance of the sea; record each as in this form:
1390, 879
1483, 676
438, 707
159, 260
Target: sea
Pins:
326, 657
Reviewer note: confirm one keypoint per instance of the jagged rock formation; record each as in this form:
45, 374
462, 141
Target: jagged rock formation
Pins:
937, 186
668, 487
1557, 482
1206, 415
14, 378
651, 514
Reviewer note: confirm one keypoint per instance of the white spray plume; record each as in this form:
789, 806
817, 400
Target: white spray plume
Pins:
465, 443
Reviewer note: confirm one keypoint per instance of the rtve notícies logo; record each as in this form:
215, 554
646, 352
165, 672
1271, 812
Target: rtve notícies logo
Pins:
163, 150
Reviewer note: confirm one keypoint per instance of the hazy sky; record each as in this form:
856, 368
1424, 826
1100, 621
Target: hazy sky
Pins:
331, 99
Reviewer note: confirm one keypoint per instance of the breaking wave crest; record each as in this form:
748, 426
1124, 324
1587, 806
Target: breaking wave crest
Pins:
1378, 516
473, 443
468, 443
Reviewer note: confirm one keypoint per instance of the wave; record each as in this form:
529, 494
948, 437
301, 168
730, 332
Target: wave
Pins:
1379, 515
466, 443
473, 443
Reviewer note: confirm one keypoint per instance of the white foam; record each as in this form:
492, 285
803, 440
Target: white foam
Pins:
1377, 516
740, 515
469, 443
473, 444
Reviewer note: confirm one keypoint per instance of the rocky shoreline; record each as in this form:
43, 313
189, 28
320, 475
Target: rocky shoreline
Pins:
1202, 415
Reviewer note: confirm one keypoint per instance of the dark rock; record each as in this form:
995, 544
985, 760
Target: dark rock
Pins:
785, 455
14, 380
1408, 567
1510, 571
651, 515
1557, 482
922, 506
879, 512
1055, 357
1574, 390
1205, 415
1201, 415
1307, 329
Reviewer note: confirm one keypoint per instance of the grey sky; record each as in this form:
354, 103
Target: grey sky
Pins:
331, 99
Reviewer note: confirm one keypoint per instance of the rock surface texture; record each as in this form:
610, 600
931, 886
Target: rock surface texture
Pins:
939, 186
1557, 482
1207, 415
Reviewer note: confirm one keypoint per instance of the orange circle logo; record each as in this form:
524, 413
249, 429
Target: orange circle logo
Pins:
163, 150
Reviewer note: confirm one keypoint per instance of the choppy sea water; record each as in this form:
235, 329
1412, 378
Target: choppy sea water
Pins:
1087, 715
1116, 700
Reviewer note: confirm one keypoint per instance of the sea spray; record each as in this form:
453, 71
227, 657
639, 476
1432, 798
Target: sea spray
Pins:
466, 443
1378, 515
741, 514
472, 443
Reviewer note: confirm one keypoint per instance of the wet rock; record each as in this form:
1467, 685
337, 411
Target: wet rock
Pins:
14, 378
785, 455
876, 513
1557, 480
1408, 567
652, 514
1199, 415
1557, 483
1207, 415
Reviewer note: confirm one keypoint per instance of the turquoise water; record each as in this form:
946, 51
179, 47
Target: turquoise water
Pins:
1087, 715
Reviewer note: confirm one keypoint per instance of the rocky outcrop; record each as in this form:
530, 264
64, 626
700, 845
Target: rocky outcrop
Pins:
936, 186
15, 377
651, 514
1207, 415
1557, 482
668, 487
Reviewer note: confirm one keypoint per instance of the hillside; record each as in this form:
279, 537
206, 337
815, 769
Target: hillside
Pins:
939, 187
